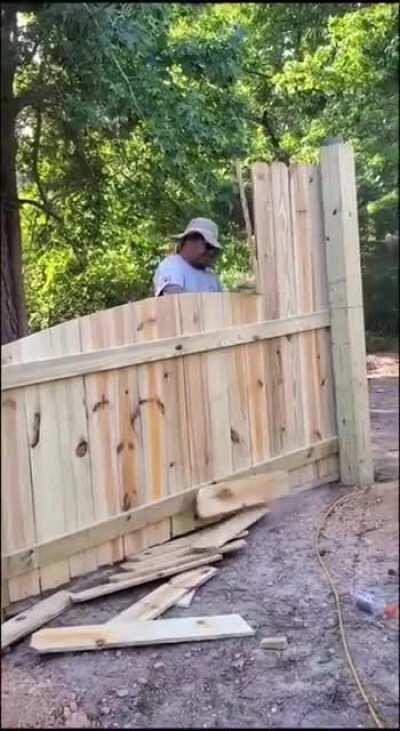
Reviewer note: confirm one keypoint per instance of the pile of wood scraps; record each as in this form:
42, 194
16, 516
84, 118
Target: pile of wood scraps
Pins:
187, 564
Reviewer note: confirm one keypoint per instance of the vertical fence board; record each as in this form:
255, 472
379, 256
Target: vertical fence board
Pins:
215, 364
101, 330
236, 365
346, 304
17, 519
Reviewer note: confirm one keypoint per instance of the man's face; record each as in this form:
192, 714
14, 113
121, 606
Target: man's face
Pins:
198, 252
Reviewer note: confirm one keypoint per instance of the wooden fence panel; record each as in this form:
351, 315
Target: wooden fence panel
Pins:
87, 445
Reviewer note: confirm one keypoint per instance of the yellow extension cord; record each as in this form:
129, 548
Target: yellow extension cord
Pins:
364, 693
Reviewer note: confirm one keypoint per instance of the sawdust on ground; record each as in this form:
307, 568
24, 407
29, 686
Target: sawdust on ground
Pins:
277, 586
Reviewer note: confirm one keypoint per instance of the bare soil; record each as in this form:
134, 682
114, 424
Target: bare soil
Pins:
277, 585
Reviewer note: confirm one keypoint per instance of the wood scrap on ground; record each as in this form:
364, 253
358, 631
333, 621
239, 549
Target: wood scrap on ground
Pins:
165, 596
233, 495
228, 529
159, 631
25, 622
274, 643
185, 601
171, 560
110, 588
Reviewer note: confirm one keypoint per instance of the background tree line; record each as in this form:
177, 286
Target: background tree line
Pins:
121, 121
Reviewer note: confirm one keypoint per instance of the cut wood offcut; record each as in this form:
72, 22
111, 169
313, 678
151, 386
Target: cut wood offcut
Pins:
159, 631
165, 596
25, 622
233, 495
140, 568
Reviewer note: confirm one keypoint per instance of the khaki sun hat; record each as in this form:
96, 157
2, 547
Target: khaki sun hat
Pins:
204, 226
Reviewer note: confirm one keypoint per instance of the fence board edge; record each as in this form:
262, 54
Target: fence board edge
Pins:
19, 375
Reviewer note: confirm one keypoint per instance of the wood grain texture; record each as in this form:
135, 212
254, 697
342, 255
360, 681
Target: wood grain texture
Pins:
25, 622
109, 358
45, 554
159, 631
228, 497
16, 485
165, 596
104, 589
346, 304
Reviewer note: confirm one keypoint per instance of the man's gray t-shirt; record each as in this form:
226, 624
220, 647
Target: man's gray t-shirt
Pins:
175, 270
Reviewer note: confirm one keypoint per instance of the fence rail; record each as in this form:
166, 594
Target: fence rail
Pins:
69, 366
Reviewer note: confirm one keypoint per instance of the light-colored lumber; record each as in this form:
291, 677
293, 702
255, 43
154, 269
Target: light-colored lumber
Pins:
171, 560
229, 497
111, 358
16, 487
259, 408
145, 567
221, 534
104, 589
159, 631
175, 566
165, 596
159, 560
61, 480
46, 553
24, 623
231, 547
346, 305
307, 247
185, 601
216, 366
274, 643
239, 309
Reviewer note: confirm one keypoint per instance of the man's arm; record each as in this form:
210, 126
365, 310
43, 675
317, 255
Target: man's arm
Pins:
172, 289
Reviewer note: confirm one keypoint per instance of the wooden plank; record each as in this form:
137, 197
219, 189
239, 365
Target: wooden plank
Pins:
57, 468
258, 387
231, 547
346, 305
248, 417
224, 532
306, 248
217, 395
170, 560
107, 358
228, 497
26, 560
159, 631
104, 330
21, 625
165, 596
155, 564
185, 601
104, 589
17, 517
162, 399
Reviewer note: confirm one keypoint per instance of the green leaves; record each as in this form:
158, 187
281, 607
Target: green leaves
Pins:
149, 104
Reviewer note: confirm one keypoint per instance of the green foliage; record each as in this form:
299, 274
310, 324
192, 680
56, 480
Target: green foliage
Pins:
133, 115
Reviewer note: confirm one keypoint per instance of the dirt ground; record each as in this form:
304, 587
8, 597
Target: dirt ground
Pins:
277, 585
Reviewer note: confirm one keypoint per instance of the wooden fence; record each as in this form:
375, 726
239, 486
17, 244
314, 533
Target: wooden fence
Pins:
111, 422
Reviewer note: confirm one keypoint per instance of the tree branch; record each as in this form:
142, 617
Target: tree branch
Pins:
34, 97
41, 206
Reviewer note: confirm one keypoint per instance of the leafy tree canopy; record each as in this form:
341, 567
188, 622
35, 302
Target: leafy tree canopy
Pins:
131, 116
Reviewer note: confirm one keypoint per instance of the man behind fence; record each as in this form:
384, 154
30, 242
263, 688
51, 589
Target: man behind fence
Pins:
190, 269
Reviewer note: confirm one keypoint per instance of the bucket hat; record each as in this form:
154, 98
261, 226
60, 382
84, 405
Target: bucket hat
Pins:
204, 226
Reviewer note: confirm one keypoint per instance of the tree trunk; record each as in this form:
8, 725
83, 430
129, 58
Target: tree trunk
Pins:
13, 315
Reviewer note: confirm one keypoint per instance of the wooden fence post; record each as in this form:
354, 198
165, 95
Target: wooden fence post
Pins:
347, 317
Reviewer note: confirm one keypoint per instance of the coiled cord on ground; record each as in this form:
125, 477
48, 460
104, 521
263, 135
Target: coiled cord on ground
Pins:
363, 691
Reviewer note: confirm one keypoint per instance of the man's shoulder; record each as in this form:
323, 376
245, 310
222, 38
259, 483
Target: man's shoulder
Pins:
172, 261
